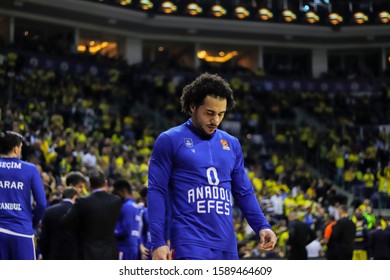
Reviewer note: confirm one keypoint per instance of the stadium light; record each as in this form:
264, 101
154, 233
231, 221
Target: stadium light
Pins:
146, 5
289, 16
335, 18
360, 17
125, 2
241, 12
194, 9
311, 17
202, 54
168, 7
220, 58
265, 14
218, 10
307, 11
93, 47
384, 17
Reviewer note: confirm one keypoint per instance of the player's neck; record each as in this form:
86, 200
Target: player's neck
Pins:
10, 155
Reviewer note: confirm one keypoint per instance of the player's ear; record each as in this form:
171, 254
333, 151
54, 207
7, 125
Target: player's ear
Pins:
192, 108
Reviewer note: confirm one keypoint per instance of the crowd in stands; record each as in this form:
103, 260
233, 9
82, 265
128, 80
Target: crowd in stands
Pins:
86, 121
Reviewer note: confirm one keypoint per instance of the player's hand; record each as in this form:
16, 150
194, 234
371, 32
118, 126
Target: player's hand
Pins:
144, 252
162, 253
267, 239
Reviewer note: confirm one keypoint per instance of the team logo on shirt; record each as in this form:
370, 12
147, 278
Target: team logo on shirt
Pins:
225, 145
188, 142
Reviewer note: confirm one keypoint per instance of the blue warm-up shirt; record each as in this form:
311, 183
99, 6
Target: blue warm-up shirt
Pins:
18, 180
127, 230
199, 174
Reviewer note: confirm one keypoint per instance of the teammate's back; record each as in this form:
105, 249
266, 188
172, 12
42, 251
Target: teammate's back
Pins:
18, 215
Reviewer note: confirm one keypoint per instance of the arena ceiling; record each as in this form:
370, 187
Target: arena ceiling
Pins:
131, 21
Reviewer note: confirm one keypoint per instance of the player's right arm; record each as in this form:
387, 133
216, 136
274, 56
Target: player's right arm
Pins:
122, 226
160, 166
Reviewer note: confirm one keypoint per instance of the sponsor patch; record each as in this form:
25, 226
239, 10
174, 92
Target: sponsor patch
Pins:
225, 145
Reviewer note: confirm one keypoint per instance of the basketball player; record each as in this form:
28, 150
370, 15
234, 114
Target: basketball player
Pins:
196, 173
18, 217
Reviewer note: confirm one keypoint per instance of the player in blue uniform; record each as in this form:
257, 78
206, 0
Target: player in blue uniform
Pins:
127, 230
145, 246
18, 217
196, 171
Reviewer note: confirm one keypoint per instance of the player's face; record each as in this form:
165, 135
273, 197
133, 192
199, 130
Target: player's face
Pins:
209, 115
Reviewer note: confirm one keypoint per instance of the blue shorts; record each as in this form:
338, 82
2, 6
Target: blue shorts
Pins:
128, 253
192, 252
16, 246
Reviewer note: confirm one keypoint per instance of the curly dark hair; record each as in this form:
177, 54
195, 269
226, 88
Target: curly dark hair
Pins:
206, 85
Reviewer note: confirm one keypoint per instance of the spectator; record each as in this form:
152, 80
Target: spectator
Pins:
379, 243
329, 252
314, 249
299, 236
343, 235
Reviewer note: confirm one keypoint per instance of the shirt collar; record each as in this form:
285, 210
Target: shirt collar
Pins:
198, 132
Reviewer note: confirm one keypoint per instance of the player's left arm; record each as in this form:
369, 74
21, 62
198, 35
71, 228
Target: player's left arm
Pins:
39, 196
245, 198
121, 228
